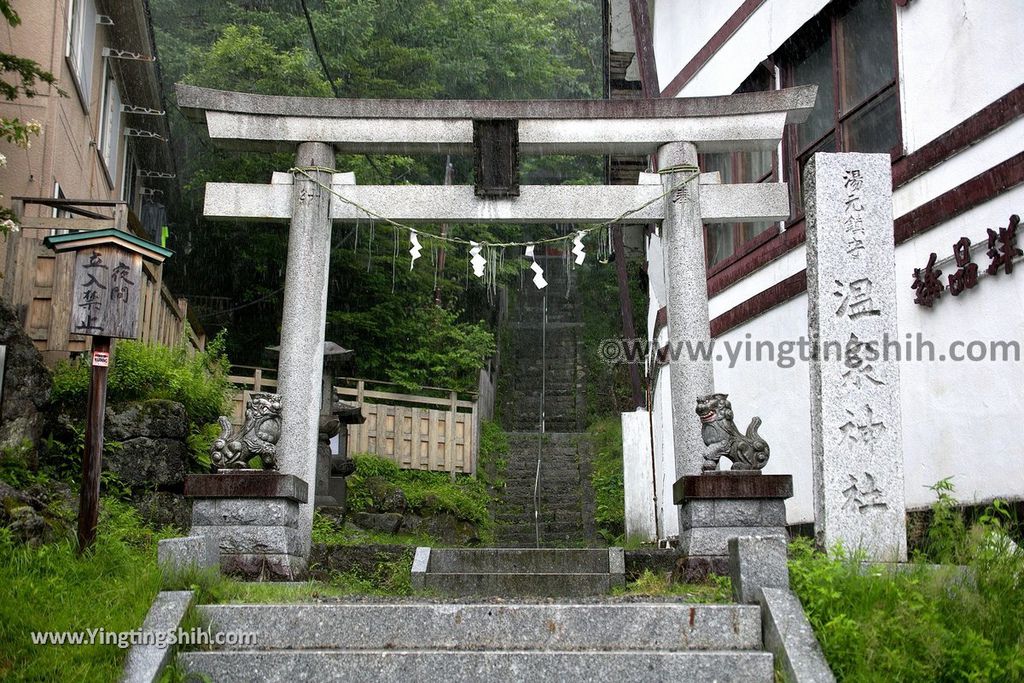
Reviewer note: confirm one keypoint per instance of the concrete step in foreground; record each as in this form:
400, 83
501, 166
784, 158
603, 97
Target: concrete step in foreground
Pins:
372, 666
423, 641
548, 572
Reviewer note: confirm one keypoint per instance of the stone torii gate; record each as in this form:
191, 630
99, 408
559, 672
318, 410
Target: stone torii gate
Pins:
676, 130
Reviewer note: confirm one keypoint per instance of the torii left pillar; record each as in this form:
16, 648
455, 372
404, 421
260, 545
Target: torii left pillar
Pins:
300, 363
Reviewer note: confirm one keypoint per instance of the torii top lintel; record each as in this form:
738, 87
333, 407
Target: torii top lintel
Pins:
746, 121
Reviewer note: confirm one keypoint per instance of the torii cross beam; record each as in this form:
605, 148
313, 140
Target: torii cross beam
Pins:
317, 128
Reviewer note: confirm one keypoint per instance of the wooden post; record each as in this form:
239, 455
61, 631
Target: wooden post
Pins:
107, 290
449, 437
89, 495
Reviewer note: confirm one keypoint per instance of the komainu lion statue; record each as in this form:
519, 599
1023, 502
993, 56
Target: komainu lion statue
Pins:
258, 436
746, 451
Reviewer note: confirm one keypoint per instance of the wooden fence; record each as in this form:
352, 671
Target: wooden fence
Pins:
38, 283
417, 432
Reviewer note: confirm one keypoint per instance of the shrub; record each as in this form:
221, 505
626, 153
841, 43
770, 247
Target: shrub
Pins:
427, 493
923, 623
141, 372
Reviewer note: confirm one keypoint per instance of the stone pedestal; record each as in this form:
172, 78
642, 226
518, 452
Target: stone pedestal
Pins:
253, 517
716, 507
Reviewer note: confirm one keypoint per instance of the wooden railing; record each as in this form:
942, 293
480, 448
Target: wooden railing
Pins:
418, 432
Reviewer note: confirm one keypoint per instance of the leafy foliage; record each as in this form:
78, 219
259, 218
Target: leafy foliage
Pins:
955, 623
431, 348
372, 48
140, 372
426, 492
607, 479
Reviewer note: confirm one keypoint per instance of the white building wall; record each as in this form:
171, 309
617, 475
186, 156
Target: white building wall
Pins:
958, 417
955, 58
762, 34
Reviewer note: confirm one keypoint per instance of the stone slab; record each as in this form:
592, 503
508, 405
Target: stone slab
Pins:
757, 562
496, 626
856, 423
506, 585
789, 637
721, 512
265, 540
795, 102
535, 203
373, 666
420, 562
715, 540
247, 484
732, 486
245, 512
187, 553
520, 560
264, 566
145, 663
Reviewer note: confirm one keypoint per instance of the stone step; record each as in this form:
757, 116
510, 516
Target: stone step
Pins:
519, 572
645, 626
438, 665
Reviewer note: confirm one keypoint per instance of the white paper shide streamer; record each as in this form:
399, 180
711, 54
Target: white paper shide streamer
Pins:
478, 262
415, 249
538, 272
577, 247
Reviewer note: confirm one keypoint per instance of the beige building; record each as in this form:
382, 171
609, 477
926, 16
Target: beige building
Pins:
101, 160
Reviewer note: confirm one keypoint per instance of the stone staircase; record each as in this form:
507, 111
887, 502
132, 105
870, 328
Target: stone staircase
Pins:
416, 640
518, 572
544, 365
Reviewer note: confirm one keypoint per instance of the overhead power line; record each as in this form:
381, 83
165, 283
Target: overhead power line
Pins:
316, 48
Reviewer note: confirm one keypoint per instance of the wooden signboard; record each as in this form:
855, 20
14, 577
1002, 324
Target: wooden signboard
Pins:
108, 284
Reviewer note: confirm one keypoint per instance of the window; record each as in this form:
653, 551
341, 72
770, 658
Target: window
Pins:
81, 45
850, 54
129, 180
110, 122
58, 193
722, 240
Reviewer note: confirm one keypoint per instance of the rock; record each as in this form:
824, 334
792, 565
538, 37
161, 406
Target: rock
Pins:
148, 462
27, 525
30, 514
451, 530
26, 384
411, 524
388, 522
385, 496
156, 419
162, 508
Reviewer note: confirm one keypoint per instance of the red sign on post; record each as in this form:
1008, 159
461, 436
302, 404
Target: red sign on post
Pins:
100, 359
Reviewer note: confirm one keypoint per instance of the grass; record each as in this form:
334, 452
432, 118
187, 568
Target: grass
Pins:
607, 480
51, 588
717, 589
921, 624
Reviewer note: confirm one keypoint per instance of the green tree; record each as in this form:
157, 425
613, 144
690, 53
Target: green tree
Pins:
372, 48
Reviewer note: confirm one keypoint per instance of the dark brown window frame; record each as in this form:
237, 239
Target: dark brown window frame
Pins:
791, 150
